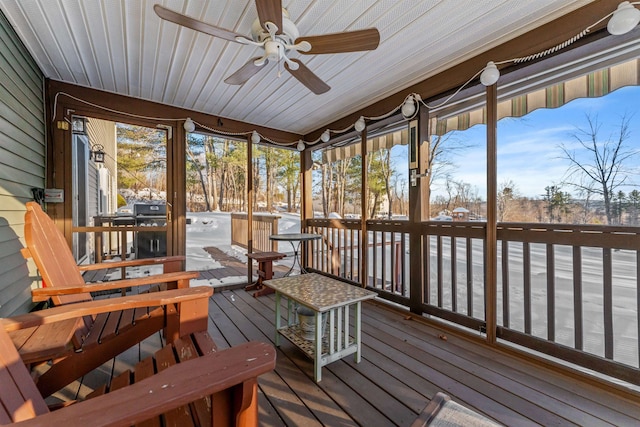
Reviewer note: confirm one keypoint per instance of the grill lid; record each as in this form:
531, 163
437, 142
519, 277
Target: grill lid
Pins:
150, 209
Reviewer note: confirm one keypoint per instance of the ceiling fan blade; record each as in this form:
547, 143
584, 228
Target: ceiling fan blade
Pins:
348, 41
244, 73
307, 78
194, 24
270, 11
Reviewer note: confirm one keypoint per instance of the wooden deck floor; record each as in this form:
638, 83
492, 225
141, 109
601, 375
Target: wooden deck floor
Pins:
404, 363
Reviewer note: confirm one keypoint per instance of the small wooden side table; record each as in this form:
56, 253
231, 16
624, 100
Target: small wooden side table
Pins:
326, 298
265, 270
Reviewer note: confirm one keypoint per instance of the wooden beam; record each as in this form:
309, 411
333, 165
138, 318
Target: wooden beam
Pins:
491, 256
306, 198
306, 201
418, 209
250, 200
364, 211
78, 99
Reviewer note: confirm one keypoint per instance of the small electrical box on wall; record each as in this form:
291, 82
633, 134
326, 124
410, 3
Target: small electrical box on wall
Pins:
413, 155
413, 144
53, 195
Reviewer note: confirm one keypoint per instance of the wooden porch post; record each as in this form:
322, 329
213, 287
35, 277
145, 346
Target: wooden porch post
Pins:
176, 197
491, 257
364, 209
250, 196
306, 198
418, 210
58, 171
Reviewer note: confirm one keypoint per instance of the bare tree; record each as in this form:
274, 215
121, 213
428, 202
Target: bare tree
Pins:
598, 165
442, 150
507, 200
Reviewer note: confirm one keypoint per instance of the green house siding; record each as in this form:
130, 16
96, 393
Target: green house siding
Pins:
22, 163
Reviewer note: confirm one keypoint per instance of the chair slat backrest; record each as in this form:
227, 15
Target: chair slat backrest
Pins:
51, 254
19, 396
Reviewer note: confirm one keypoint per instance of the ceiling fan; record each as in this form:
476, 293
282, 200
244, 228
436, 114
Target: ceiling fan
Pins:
277, 35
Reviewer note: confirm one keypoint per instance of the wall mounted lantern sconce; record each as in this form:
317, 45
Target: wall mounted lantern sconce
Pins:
97, 153
79, 124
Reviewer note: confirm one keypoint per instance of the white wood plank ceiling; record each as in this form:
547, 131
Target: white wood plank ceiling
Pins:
122, 46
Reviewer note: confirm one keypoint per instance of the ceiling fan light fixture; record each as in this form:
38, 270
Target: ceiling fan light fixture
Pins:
359, 125
300, 146
326, 136
255, 137
490, 74
625, 18
189, 125
409, 107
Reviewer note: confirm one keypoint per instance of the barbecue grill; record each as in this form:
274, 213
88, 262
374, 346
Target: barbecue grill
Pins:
152, 243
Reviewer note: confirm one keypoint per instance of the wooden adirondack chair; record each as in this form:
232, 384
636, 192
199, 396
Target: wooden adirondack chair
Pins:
219, 387
78, 345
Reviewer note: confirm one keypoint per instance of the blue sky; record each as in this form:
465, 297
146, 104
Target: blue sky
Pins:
528, 152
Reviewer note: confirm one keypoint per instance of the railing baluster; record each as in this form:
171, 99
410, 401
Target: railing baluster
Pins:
426, 269
607, 300
337, 248
351, 245
469, 253
345, 270
454, 276
577, 298
440, 273
505, 283
526, 260
392, 262
551, 293
403, 265
383, 250
375, 260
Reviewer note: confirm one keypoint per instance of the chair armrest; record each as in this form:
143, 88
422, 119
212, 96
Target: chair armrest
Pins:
42, 294
176, 386
69, 311
131, 263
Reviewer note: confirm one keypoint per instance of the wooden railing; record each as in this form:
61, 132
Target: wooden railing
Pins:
264, 225
568, 291
339, 251
388, 258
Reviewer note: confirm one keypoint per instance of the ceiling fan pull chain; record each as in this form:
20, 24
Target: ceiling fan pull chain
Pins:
279, 63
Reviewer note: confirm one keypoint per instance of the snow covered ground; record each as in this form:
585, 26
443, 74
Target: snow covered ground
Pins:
214, 229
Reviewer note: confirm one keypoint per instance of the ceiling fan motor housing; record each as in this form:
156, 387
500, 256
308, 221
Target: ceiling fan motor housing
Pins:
289, 32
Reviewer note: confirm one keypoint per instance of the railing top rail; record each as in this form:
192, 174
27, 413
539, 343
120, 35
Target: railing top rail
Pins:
334, 223
581, 228
256, 216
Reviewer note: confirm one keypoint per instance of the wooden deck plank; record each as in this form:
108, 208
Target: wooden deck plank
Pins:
469, 390
365, 402
300, 380
288, 405
537, 383
549, 411
331, 366
404, 363
415, 374
267, 414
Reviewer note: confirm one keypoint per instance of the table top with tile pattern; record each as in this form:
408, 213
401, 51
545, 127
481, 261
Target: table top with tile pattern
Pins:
318, 292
